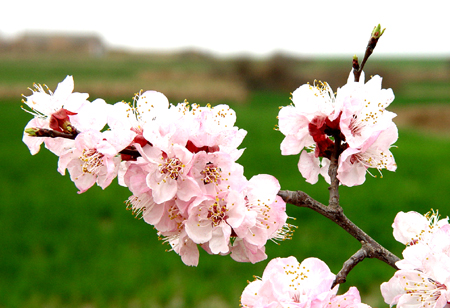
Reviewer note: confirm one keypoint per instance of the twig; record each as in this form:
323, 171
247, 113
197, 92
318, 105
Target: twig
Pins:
44, 132
50, 133
360, 255
376, 34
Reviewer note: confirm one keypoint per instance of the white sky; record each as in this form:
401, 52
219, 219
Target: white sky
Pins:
324, 27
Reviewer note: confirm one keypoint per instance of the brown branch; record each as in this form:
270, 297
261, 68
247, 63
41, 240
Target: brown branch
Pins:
373, 249
50, 133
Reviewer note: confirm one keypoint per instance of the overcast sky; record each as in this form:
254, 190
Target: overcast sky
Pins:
339, 27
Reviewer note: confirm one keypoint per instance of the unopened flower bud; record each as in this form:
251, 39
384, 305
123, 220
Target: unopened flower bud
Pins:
32, 131
377, 32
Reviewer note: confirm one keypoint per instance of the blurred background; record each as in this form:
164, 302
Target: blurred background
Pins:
61, 249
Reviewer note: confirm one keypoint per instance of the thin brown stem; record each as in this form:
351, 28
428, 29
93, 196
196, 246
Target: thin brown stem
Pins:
357, 257
44, 132
49, 133
374, 37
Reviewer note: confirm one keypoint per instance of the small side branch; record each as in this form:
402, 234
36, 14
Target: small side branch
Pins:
376, 34
50, 133
360, 255
44, 132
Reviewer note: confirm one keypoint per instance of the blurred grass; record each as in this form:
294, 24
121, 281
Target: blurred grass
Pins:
62, 249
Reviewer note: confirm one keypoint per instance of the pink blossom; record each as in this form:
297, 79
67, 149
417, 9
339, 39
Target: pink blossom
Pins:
430, 254
217, 172
53, 107
212, 219
374, 153
412, 288
168, 173
424, 275
45, 104
148, 107
243, 251
304, 124
350, 299
364, 109
185, 247
266, 216
92, 116
412, 227
285, 282
216, 128
135, 176
356, 116
311, 166
93, 159
294, 125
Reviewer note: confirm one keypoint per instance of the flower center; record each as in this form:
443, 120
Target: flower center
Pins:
217, 213
426, 291
92, 161
211, 174
356, 126
372, 159
172, 168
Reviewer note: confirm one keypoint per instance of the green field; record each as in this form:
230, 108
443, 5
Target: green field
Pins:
61, 249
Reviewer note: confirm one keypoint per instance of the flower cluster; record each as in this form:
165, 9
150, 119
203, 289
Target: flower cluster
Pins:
179, 162
288, 283
424, 276
354, 119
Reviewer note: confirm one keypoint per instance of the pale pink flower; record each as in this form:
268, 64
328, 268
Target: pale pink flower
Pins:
266, 216
91, 116
424, 276
217, 172
45, 104
168, 173
311, 166
93, 159
149, 107
412, 227
350, 299
170, 126
357, 115
51, 111
166, 217
243, 251
415, 289
285, 282
430, 254
374, 153
294, 125
364, 109
183, 245
135, 175
211, 220
315, 108
216, 128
